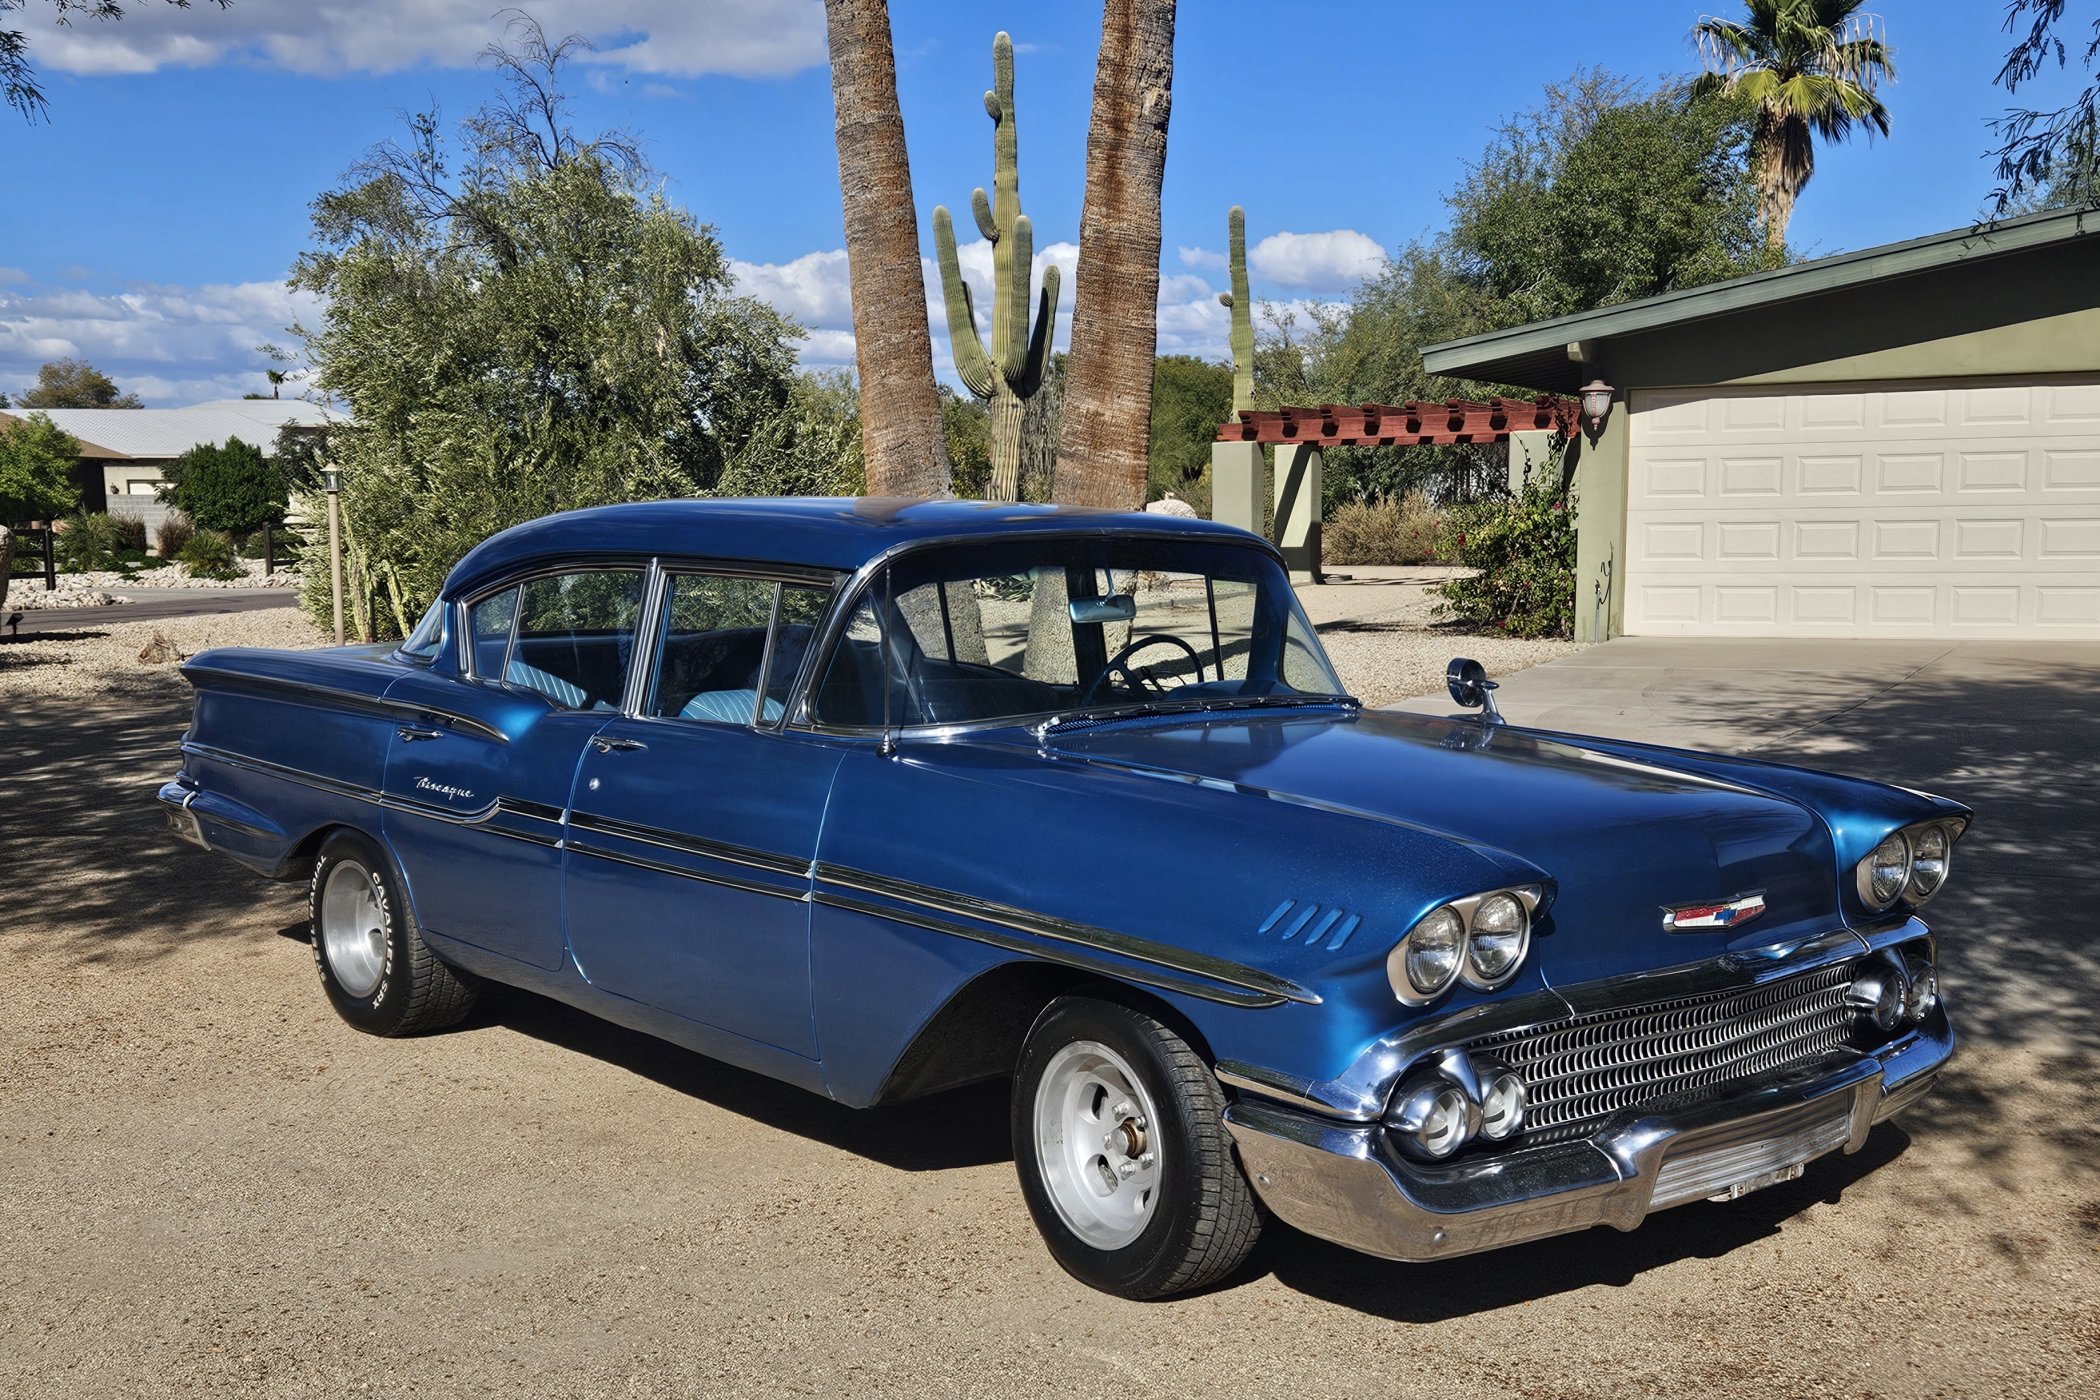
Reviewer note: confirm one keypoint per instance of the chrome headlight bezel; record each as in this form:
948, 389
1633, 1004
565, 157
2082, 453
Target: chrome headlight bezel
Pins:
1910, 891
1528, 898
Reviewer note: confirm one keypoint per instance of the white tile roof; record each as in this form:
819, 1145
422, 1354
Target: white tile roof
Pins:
166, 433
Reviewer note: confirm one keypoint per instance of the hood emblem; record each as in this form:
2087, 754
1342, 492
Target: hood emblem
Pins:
1683, 918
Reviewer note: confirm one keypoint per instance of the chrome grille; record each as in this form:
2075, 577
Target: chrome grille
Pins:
1586, 1068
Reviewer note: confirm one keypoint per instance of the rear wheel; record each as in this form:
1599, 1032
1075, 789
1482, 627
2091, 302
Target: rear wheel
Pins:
1119, 1137
379, 974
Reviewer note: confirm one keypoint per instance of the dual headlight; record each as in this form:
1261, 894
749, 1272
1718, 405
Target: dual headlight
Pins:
1480, 940
1909, 865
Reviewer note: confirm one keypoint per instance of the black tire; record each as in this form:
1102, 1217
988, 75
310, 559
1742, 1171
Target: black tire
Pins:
382, 978
1202, 1218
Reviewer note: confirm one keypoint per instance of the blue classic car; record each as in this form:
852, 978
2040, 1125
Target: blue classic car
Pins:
881, 798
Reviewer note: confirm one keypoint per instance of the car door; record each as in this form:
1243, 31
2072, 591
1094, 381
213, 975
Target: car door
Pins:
694, 821
480, 766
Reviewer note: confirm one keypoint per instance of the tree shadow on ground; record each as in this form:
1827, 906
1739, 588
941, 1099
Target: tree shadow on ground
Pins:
964, 1127
84, 849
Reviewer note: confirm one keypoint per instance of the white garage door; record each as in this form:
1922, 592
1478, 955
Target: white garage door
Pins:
1958, 510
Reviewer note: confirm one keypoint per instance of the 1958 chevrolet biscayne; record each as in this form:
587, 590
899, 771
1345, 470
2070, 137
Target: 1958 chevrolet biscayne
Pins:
880, 798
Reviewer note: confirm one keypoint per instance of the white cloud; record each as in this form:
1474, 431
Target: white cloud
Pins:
816, 288
1329, 262
1202, 257
670, 38
170, 345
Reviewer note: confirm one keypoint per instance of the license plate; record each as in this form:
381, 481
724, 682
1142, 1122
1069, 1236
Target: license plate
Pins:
1761, 1181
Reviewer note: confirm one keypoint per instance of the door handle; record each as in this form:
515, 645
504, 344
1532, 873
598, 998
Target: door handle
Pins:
415, 733
605, 745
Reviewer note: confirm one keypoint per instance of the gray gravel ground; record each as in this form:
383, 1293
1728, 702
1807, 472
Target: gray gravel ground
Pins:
211, 1186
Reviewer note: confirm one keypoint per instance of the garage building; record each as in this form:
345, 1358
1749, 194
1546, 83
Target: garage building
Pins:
1898, 442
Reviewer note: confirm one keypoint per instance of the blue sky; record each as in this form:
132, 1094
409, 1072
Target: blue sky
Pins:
148, 225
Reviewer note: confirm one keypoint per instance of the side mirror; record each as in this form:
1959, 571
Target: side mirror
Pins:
1116, 607
1468, 682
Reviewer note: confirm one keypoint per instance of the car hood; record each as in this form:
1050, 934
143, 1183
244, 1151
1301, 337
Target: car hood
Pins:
1621, 833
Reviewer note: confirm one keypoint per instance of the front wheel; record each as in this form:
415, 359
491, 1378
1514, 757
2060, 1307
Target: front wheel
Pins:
379, 974
1119, 1137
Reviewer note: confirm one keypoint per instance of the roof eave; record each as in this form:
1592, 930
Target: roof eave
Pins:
1461, 358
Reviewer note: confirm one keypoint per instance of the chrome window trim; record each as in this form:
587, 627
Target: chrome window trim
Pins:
782, 577
648, 643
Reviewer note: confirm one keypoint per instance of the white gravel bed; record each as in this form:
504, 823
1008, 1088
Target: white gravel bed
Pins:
73, 591
138, 660
1381, 628
178, 576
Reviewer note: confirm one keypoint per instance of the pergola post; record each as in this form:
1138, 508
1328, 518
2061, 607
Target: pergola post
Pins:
1236, 486
1298, 509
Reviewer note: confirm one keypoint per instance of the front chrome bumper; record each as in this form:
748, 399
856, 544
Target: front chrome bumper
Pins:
1344, 1182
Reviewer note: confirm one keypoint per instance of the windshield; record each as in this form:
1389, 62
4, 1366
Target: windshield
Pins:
1019, 629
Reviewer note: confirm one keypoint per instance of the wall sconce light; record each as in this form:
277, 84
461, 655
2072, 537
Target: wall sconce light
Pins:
1596, 405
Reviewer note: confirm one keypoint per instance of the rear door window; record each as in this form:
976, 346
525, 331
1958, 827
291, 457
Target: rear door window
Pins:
732, 647
569, 637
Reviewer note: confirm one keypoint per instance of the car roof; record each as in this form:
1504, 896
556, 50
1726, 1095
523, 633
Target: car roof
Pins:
827, 532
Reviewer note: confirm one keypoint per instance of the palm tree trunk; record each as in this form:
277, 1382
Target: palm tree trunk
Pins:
900, 414
1108, 396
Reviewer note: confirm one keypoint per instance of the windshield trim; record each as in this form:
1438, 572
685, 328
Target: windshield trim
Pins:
800, 717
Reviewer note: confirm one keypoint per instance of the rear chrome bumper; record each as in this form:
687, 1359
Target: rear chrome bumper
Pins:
1344, 1182
175, 800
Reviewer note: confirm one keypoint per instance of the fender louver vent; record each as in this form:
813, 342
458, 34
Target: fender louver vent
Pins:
1301, 921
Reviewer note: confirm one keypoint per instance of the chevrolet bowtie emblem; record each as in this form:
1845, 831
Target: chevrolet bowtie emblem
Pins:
1681, 918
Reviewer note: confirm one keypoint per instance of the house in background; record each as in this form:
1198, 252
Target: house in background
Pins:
1898, 442
124, 451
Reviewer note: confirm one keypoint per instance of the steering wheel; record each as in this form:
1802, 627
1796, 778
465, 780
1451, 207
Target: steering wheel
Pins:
1119, 664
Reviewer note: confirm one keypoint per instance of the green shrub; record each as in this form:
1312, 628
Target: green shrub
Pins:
209, 554
174, 533
1524, 549
1396, 530
131, 533
88, 541
226, 486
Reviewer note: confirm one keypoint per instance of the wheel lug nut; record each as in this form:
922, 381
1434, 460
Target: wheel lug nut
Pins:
1146, 1160
1126, 1168
1121, 1110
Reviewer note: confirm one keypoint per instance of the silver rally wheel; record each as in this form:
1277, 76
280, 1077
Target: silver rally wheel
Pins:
1122, 1152
1098, 1144
353, 928
379, 974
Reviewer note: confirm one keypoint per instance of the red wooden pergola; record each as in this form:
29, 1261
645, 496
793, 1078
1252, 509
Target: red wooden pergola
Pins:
1413, 423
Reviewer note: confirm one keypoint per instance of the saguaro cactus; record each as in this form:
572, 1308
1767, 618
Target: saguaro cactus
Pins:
1241, 303
1009, 376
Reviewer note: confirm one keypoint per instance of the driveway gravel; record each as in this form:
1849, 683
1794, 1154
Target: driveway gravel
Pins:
211, 1186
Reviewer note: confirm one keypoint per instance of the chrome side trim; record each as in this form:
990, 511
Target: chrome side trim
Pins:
1154, 975
1268, 1083
1266, 988
690, 845
392, 711
685, 872
479, 817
